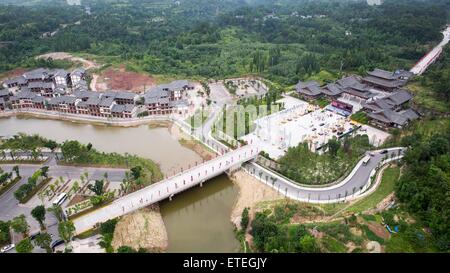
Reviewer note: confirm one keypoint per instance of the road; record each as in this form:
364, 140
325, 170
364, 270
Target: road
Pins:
353, 185
166, 188
10, 207
431, 56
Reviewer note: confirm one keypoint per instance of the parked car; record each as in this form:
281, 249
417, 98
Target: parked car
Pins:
7, 248
371, 154
56, 243
384, 152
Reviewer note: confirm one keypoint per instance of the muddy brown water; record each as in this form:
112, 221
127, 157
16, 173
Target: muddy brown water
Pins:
197, 220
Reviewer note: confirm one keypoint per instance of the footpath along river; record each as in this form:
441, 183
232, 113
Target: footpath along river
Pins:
197, 220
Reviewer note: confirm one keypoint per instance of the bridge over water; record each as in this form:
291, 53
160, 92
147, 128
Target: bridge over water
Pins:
167, 188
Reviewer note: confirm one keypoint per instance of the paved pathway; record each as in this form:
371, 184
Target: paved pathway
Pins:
431, 56
166, 188
355, 184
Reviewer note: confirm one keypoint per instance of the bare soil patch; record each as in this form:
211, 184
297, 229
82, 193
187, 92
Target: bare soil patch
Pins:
87, 64
12, 73
379, 230
142, 229
120, 79
77, 199
251, 192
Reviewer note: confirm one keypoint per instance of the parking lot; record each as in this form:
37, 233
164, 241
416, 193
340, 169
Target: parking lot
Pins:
304, 122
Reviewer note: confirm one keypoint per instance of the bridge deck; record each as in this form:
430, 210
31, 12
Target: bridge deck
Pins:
166, 188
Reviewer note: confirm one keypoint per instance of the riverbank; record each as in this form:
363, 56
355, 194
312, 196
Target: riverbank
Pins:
142, 229
84, 119
187, 141
251, 192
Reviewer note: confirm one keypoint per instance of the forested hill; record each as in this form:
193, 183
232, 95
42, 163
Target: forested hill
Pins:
283, 40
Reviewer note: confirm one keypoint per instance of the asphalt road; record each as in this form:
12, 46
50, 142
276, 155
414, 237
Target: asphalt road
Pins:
10, 207
353, 183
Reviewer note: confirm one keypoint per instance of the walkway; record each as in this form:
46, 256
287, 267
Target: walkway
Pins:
166, 188
431, 57
354, 185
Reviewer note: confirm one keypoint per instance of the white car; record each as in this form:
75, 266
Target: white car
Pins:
7, 248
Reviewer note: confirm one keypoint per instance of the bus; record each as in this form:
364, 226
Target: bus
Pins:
60, 199
366, 160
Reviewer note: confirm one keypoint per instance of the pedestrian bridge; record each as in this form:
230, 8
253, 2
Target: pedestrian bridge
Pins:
167, 187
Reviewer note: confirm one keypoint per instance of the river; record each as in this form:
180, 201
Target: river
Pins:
197, 220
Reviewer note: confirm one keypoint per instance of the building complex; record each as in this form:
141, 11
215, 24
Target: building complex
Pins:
380, 94
67, 92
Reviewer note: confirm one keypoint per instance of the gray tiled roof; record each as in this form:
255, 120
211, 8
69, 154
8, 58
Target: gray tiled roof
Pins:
93, 101
398, 98
43, 85
78, 72
36, 73
410, 114
332, 89
117, 108
23, 95
377, 105
383, 82
178, 103
4, 93
106, 102
81, 104
38, 99
380, 73
301, 85
389, 116
18, 80
129, 107
120, 95
59, 72
85, 94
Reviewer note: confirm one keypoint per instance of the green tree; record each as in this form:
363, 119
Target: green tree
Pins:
19, 224
51, 144
244, 219
43, 240
38, 213
4, 232
16, 170
125, 249
44, 171
136, 172
308, 244
97, 188
66, 231
24, 246
57, 211
333, 146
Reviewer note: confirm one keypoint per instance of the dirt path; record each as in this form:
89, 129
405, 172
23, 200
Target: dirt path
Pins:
251, 192
142, 229
87, 64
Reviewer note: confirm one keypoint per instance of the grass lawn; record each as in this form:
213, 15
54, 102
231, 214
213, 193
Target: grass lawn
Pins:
332, 245
323, 77
360, 117
306, 167
390, 177
321, 102
429, 127
426, 98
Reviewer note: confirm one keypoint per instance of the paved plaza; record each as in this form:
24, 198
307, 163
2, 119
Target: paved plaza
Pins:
300, 122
